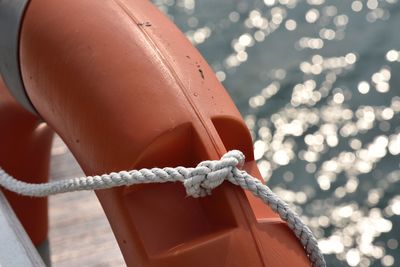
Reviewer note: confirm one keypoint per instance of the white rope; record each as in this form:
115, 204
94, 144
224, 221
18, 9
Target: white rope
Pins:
198, 182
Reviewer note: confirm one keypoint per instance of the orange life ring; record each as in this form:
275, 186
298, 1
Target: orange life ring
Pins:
122, 85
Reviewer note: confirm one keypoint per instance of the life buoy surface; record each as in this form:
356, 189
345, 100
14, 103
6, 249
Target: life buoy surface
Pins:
25, 143
124, 89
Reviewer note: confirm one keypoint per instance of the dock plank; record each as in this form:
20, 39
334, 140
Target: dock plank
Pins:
80, 234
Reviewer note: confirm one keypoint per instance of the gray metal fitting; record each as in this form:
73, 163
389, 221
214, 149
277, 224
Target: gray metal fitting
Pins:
11, 16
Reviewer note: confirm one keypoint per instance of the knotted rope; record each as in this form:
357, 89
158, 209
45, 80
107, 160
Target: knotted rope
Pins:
199, 182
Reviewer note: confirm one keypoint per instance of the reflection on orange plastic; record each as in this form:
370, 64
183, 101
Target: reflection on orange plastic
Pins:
125, 89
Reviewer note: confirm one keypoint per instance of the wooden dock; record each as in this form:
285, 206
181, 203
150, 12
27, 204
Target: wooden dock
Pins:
79, 231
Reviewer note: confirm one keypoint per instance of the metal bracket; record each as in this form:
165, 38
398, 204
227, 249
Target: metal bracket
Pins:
16, 249
11, 16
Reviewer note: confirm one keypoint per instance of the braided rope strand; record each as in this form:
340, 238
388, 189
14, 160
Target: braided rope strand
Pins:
198, 182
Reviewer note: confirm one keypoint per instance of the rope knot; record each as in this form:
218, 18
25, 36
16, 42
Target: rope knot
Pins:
208, 175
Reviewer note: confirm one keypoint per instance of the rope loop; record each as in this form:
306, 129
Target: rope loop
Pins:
212, 173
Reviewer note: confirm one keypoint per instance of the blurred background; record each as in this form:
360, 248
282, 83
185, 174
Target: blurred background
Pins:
317, 84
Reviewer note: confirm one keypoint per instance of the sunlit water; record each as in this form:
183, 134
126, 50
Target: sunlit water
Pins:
317, 82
